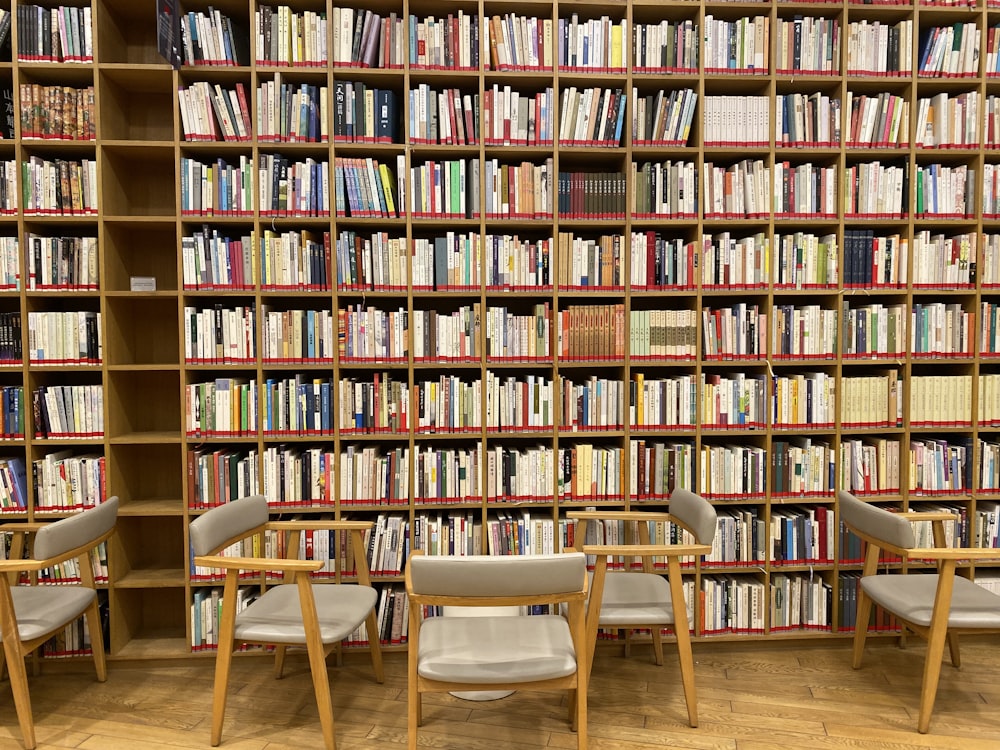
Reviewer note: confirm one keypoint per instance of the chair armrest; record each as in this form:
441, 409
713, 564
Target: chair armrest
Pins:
17, 566
648, 550
617, 515
28, 526
317, 525
928, 515
954, 553
258, 563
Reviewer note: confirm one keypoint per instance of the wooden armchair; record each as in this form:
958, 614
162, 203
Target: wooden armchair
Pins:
33, 614
531, 652
293, 613
632, 599
935, 606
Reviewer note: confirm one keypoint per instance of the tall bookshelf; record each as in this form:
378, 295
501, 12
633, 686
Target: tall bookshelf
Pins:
147, 218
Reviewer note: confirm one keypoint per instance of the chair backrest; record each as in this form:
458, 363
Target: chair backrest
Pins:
56, 539
497, 576
223, 523
874, 522
696, 513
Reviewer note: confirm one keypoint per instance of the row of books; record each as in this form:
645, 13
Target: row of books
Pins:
737, 191
729, 262
736, 120
362, 114
803, 332
211, 261
217, 188
286, 37
663, 118
227, 407
805, 191
62, 34
451, 42
61, 262
446, 117
13, 484
734, 333
736, 46
946, 192
364, 38
939, 467
662, 334
294, 188
65, 481
68, 411
670, 46
517, 337
220, 335
591, 116
947, 261
224, 407
873, 331
880, 48
519, 191
209, 111
737, 402
950, 51
513, 118
940, 400
945, 121
297, 259
297, 336
800, 467
590, 263
211, 38
57, 112
942, 330
804, 260
10, 338
808, 120
519, 42
9, 191
62, 187
367, 334
290, 112
807, 44
379, 261
367, 189
451, 336
657, 262
64, 338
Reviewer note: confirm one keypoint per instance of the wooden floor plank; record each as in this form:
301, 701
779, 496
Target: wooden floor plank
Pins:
752, 696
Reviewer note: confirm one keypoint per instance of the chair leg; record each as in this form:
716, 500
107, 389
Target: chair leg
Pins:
936, 636
224, 655
956, 656
279, 661
657, 645
683, 639
861, 627
19, 686
97, 641
375, 647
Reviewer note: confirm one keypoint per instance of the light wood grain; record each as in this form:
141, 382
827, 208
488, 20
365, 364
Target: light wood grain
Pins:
751, 697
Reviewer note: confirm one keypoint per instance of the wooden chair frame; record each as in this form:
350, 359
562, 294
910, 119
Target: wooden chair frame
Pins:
946, 560
644, 551
14, 649
296, 572
576, 683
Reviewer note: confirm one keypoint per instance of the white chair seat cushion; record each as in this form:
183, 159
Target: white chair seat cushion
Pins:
495, 650
636, 599
42, 610
911, 597
276, 617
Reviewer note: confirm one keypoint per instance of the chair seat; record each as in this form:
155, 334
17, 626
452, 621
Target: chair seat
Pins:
276, 617
636, 599
41, 610
911, 597
495, 650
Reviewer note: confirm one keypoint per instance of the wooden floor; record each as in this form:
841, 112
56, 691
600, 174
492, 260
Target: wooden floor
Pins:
751, 697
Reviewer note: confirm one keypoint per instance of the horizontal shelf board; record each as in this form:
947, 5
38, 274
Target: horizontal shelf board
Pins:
152, 578
146, 438
155, 507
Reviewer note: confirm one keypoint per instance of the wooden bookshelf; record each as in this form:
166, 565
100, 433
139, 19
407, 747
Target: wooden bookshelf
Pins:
799, 257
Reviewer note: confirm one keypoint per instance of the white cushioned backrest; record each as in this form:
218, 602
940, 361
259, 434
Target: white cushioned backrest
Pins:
498, 575
696, 513
224, 522
875, 522
76, 531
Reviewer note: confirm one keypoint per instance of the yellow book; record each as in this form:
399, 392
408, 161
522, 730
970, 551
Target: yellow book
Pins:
640, 401
616, 46
383, 172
